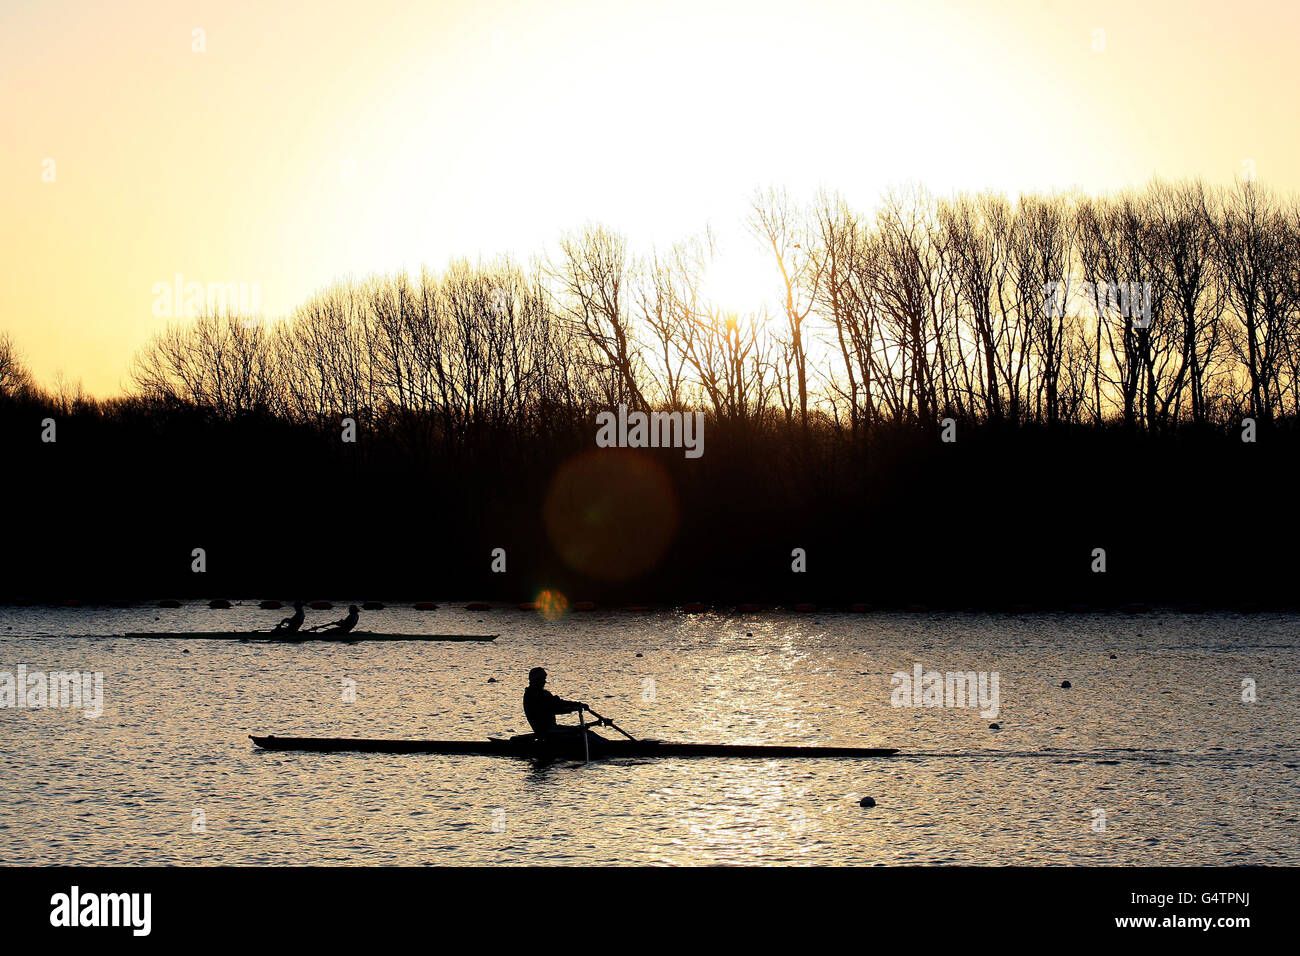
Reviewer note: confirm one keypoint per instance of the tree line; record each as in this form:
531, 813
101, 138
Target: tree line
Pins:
1177, 303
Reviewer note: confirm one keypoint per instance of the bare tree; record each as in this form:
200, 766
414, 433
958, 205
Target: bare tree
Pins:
593, 278
221, 363
15, 379
781, 227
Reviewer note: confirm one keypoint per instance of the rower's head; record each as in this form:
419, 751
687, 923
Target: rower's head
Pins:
537, 677
297, 605
352, 608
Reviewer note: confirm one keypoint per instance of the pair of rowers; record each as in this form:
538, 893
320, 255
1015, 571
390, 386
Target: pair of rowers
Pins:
292, 625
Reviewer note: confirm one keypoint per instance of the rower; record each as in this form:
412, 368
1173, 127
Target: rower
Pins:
290, 625
347, 624
541, 706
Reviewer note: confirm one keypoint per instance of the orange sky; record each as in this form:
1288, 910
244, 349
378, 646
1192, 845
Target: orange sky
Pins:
315, 140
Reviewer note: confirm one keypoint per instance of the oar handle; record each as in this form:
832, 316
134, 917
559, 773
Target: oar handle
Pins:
607, 722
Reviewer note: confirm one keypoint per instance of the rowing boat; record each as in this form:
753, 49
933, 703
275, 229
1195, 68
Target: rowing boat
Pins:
302, 637
532, 747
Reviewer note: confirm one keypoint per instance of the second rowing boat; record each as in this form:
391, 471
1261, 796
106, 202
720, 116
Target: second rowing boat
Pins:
302, 637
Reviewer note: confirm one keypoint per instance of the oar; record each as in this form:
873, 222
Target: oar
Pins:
609, 723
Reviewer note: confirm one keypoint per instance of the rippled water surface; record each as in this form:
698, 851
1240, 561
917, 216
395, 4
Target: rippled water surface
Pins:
1156, 744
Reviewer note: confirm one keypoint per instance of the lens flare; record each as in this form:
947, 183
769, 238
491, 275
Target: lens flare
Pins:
552, 605
611, 514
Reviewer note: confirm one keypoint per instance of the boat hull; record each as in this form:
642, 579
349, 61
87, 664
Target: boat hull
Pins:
351, 638
532, 748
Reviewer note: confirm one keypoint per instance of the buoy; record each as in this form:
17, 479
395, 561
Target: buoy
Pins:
1113, 657
270, 605
749, 633
995, 726
478, 606
866, 802
373, 606
219, 604
1065, 684
492, 680
639, 654
425, 606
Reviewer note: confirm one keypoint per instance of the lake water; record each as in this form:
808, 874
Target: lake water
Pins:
1150, 758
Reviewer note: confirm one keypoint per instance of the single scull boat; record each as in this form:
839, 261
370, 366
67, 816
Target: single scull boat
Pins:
552, 747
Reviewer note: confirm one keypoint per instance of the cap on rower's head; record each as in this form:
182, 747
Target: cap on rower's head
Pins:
352, 607
536, 674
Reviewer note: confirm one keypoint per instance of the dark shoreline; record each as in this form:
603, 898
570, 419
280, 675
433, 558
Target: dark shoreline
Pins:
1005, 516
691, 608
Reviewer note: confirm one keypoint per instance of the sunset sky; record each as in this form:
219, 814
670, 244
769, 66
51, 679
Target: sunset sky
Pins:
311, 141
